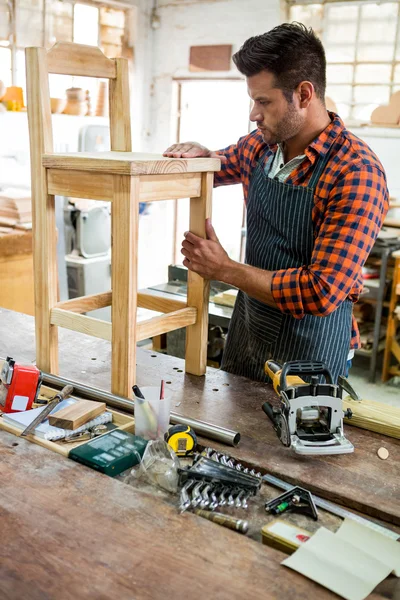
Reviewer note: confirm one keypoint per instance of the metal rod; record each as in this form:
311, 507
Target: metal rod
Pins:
207, 430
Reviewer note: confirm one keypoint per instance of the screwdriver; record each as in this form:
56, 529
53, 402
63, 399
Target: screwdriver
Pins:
65, 392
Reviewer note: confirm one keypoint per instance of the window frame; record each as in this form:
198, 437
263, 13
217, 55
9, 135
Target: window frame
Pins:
393, 63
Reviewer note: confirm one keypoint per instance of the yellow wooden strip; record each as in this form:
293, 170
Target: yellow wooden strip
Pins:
120, 116
163, 324
151, 301
374, 416
66, 58
129, 163
80, 184
199, 288
86, 303
99, 186
43, 209
81, 323
169, 187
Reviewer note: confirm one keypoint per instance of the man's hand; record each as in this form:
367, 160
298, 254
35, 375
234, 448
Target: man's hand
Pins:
206, 257
191, 150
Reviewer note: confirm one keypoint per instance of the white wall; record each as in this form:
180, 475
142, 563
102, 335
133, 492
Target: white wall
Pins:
201, 22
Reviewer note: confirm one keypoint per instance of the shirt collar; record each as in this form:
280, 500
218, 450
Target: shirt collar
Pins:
322, 144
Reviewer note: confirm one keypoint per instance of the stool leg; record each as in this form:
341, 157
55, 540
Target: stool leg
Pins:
199, 288
43, 211
125, 219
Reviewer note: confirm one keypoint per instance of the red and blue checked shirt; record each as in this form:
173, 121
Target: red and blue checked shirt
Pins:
350, 202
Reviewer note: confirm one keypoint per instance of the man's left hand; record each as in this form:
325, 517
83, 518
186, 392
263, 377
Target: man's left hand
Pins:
205, 256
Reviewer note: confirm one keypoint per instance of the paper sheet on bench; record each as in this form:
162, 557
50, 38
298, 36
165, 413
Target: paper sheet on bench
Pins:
338, 565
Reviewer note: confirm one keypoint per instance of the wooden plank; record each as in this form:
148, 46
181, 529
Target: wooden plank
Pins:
165, 323
17, 283
149, 300
152, 301
43, 209
86, 303
81, 323
167, 187
124, 235
67, 58
120, 117
99, 186
75, 415
129, 163
199, 288
80, 184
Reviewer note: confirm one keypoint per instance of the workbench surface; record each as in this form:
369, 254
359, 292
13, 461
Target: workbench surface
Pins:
70, 532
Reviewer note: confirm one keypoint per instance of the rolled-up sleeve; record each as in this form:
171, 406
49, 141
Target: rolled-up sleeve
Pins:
230, 170
354, 214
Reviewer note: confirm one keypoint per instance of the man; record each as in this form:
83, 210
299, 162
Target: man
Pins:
316, 197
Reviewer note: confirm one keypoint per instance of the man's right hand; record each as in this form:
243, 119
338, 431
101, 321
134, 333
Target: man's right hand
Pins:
190, 150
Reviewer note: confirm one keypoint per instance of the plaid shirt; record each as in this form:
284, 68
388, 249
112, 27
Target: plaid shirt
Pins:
350, 202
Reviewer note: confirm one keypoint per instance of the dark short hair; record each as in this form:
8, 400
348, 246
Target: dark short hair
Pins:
291, 52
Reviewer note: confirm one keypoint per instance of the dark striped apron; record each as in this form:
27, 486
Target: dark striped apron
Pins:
280, 235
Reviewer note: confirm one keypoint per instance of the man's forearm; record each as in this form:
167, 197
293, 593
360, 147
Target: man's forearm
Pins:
256, 283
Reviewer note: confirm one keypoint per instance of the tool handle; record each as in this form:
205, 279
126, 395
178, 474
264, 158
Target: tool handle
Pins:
65, 392
273, 369
267, 408
137, 392
301, 367
41, 417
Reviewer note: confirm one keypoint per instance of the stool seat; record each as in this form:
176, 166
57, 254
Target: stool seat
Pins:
129, 163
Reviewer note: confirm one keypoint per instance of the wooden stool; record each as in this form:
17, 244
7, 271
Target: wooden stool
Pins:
125, 179
392, 347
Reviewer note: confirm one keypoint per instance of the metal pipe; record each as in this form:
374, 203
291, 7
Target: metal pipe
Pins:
207, 430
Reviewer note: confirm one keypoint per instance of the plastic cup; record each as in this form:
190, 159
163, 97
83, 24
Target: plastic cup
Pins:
152, 414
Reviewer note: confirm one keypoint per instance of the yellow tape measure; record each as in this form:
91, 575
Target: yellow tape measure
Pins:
182, 439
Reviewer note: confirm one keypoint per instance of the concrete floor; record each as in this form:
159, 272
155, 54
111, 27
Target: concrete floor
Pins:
388, 392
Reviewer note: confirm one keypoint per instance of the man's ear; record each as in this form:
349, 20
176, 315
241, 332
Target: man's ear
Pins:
305, 92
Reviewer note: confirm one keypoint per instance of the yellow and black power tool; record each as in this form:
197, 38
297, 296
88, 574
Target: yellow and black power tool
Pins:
182, 439
310, 416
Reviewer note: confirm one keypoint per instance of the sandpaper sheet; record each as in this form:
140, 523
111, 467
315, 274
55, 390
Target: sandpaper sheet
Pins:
338, 565
374, 543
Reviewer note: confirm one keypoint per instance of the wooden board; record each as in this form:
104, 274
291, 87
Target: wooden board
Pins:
129, 163
99, 186
75, 415
227, 298
88, 536
66, 58
360, 480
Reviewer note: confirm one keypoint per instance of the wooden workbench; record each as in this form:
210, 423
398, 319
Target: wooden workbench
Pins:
69, 532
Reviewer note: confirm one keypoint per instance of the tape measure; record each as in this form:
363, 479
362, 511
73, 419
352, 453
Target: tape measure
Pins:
182, 439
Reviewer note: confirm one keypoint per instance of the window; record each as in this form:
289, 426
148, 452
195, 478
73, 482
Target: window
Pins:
45, 22
362, 44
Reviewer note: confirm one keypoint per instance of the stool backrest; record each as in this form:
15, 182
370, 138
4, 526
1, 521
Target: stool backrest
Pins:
66, 58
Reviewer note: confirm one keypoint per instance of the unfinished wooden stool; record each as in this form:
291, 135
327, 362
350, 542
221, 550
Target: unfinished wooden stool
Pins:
125, 179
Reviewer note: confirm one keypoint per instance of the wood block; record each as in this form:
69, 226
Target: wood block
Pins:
227, 298
77, 414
